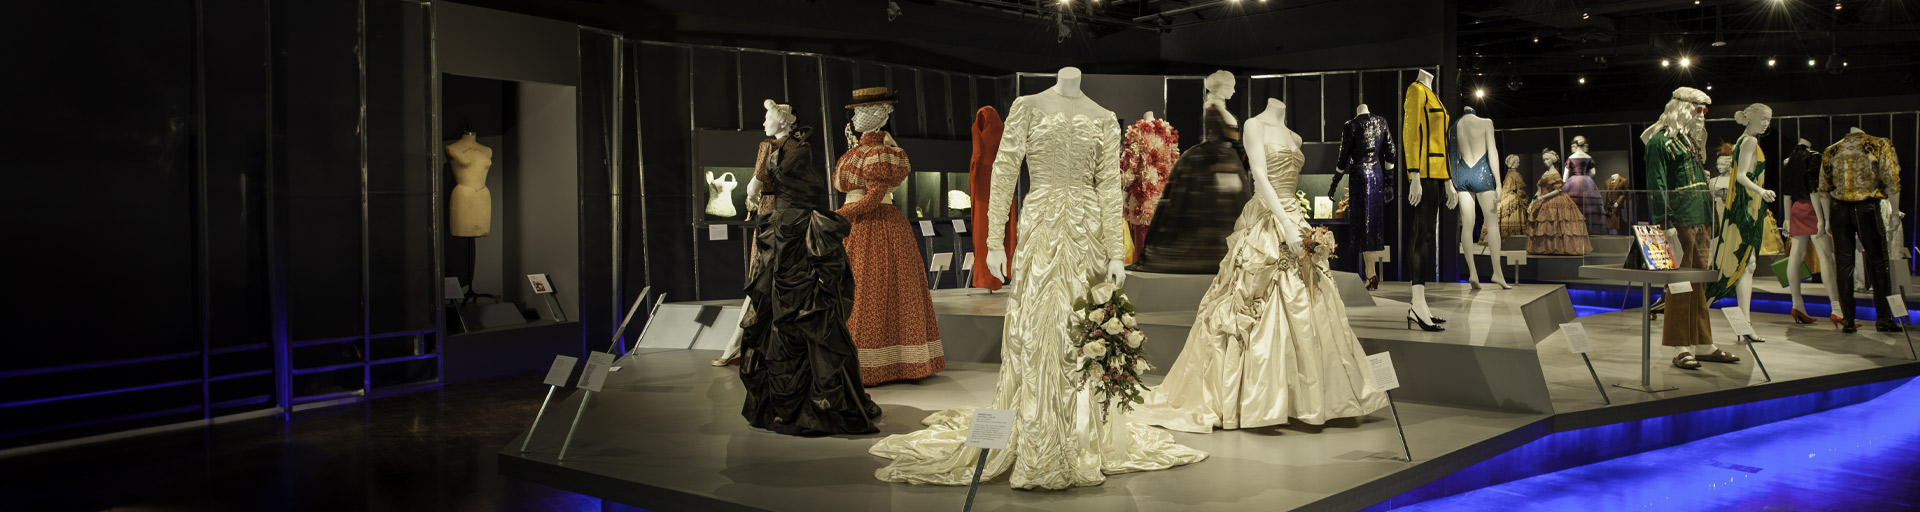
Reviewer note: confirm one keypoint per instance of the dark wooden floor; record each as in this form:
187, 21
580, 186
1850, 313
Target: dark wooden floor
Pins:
428, 450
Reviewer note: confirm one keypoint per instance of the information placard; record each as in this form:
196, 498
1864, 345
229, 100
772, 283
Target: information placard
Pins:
1577, 338
1381, 365
991, 429
941, 261
959, 226
1738, 319
562, 368
1679, 288
716, 231
452, 289
966, 262
539, 283
595, 373
1897, 304
926, 228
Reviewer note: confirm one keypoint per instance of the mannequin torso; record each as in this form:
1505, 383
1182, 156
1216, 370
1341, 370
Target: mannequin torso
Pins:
470, 206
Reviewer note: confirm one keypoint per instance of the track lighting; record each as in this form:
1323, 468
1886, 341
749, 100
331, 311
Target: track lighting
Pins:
1686, 61
1514, 83
1479, 94
1666, 63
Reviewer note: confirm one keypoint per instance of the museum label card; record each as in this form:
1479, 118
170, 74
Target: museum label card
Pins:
991, 429
941, 261
539, 283
966, 262
716, 231
562, 368
1383, 377
1385, 255
1577, 338
926, 228
959, 226
1898, 304
1738, 319
452, 288
1679, 288
595, 373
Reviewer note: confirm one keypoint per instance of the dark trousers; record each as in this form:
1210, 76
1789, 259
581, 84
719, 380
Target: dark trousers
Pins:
1859, 220
1426, 228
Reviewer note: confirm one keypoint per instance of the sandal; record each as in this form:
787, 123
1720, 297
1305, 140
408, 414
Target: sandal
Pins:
1685, 361
1719, 356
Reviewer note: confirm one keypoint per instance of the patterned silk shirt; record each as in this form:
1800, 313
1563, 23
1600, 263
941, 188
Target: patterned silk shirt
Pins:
1674, 167
1860, 167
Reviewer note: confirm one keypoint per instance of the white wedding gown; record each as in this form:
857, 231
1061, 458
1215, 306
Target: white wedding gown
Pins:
1070, 227
1263, 346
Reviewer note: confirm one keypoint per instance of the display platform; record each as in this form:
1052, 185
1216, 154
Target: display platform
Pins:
666, 433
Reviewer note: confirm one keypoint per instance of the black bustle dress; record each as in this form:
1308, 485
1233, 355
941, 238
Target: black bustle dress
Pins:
1204, 195
797, 359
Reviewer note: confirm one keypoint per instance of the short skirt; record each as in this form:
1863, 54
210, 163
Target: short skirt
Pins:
1800, 218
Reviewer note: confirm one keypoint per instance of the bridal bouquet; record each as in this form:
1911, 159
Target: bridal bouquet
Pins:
1315, 244
1110, 346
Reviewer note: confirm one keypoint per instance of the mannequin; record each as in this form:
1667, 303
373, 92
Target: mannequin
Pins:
1513, 199
1425, 149
987, 129
1205, 192
1800, 179
1858, 174
1675, 155
778, 121
1291, 223
1474, 147
893, 325
1368, 153
1555, 224
1740, 236
1580, 185
1066, 98
1148, 116
1070, 228
470, 206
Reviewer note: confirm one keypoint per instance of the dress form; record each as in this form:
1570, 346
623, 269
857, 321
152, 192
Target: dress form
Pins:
1477, 141
470, 206
868, 118
1207, 188
1065, 97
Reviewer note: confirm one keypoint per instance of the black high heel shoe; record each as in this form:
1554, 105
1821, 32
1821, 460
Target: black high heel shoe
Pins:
1424, 326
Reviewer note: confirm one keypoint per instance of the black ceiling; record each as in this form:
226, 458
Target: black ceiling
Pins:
1530, 55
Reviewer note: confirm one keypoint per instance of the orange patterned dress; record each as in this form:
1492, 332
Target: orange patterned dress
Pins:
893, 324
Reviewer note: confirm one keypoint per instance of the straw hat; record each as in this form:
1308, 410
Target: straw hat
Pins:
872, 96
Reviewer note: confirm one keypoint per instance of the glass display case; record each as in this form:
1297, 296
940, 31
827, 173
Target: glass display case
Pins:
723, 193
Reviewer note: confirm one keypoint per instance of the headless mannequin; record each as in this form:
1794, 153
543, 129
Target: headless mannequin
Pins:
1270, 127
1064, 97
1371, 259
1476, 141
1797, 253
1413, 198
867, 118
776, 127
1748, 147
470, 207
1822, 207
1148, 116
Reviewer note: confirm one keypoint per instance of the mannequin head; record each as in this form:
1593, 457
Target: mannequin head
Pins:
1724, 161
868, 118
779, 118
1513, 161
1550, 157
1424, 78
1685, 118
1219, 86
1579, 143
1805, 142
1756, 117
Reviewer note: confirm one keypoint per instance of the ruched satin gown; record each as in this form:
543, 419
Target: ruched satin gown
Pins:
1070, 227
1263, 347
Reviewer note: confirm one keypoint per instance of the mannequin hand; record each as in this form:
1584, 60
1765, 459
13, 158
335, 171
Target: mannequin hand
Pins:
1453, 196
1117, 273
1768, 195
753, 193
1673, 240
1413, 192
997, 265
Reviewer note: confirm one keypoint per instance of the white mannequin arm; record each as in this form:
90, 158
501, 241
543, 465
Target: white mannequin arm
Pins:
1453, 195
1746, 166
1413, 188
753, 193
1257, 166
1820, 206
1493, 156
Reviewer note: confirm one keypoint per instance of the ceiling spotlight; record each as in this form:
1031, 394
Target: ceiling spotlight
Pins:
1583, 80
1666, 63
1513, 83
1719, 40
1770, 61
1836, 6
1809, 62
1709, 86
1686, 61
1536, 39
893, 10
1479, 93
1585, 16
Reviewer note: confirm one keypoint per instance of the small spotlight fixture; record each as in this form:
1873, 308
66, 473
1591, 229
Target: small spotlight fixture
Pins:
1479, 94
1771, 61
1836, 6
1709, 86
1536, 39
1585, 15
1809, 62
1583, 80
893, 10
1666, 63
1686, 61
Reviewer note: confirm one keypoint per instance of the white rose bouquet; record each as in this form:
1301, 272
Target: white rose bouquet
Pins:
1109, 346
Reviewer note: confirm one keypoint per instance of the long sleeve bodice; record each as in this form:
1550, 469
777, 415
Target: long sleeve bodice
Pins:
1366, 146
873, 166
1074, 162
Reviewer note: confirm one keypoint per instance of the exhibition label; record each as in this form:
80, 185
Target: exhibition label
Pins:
595, 374
1577, 338
991, 429
1738, 319
562, 368
1381, 365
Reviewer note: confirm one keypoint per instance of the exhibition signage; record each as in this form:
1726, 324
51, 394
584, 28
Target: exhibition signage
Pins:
926, 228
1898, 306
591, 378
991, 430
1386, 380
556, 377
1578, 341
716, 231
1679, 287
959, 226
